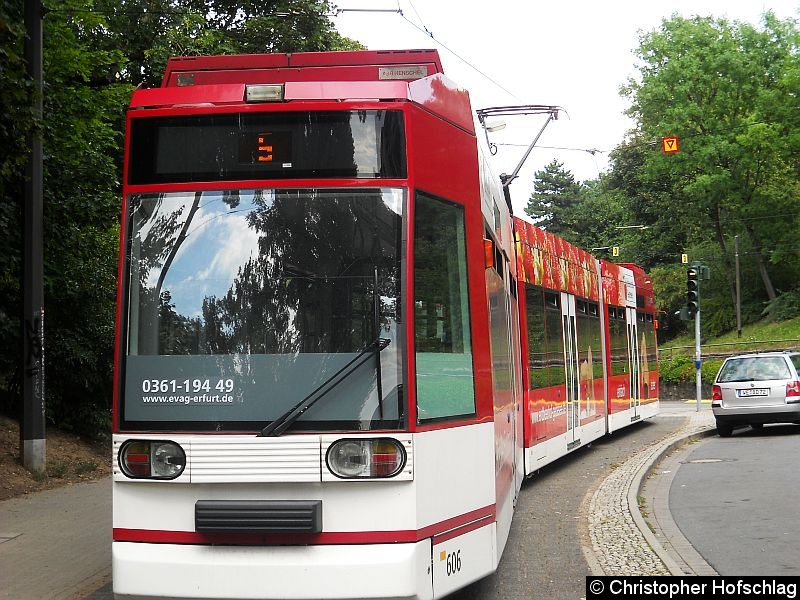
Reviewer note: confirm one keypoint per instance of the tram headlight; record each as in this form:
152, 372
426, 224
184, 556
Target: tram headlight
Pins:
151, 459
365, 458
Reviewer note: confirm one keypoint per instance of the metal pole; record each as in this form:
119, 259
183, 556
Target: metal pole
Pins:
697, 358
507, 179
32, 427
738, 288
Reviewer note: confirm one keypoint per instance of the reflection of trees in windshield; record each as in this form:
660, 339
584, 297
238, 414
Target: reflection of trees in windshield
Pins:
307, 285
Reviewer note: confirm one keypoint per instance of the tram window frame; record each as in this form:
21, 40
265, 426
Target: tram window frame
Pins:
325, 145
438, 371
618, 338
552, 300
538, 378
554, 331
648, 354
590, 333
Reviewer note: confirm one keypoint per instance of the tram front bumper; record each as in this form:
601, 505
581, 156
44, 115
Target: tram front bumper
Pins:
387, 571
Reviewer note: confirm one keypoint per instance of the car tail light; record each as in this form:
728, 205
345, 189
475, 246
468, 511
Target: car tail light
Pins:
151, 459
366, 458
716, 393
793, 390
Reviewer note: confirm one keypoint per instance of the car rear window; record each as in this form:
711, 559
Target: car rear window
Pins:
795, 358
755, 368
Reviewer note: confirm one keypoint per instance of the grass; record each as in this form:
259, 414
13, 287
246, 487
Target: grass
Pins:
57, 469
781, 335
83, 467
640, 500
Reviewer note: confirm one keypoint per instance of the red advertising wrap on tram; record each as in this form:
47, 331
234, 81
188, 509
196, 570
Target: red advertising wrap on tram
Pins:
338, 353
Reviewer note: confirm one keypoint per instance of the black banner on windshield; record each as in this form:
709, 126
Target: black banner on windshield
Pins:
294, 145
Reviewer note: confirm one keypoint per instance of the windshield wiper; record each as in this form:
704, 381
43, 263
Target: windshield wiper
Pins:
282, 423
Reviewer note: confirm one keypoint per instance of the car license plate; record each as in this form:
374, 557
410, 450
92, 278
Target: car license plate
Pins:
753, 392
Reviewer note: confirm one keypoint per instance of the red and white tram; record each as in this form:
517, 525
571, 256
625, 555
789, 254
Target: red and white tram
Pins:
587, 326
338, 355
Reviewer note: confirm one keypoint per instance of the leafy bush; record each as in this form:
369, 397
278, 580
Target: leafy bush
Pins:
710, 368
680, 369
784, 307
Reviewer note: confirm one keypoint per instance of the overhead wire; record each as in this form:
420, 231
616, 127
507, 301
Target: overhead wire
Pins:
423, 29
414, 8
591, 151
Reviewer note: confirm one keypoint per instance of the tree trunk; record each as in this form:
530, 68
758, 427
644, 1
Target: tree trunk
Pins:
729, 268
762, 266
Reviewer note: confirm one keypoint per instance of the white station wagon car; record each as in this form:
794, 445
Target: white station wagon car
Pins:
754, 389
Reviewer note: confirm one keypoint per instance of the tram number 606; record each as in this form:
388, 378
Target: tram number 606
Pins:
453, 563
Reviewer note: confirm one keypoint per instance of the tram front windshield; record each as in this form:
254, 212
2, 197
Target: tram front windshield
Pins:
243, 303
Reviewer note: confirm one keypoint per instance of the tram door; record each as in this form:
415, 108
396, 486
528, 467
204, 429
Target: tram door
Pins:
571, 368
634, 366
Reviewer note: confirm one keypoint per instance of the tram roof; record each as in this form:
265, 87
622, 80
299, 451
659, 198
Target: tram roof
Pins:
357, 65
370, 75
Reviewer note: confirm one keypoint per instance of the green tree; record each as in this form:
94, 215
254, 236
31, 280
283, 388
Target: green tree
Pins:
728, 90
150, 31
552, 204
95, 53
716, 85
16, 121
596, 214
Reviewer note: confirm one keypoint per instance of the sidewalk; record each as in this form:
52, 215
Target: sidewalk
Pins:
46, 549
622, 542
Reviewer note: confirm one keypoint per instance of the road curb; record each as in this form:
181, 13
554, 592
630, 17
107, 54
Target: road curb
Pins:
635, 489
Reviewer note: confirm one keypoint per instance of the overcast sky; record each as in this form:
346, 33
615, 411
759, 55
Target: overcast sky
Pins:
570, 53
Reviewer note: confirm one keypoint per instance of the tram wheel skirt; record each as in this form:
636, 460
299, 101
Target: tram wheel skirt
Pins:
388, 571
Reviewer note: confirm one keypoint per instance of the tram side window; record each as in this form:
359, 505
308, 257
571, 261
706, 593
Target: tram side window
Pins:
589, 349
537, 349
619, 340
441, 311
652, 341
647, 349
555, 339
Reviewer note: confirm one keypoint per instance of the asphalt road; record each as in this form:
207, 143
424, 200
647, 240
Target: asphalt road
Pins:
735, 500
543, 558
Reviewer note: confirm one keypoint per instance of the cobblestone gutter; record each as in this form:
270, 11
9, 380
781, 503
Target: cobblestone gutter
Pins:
621, 541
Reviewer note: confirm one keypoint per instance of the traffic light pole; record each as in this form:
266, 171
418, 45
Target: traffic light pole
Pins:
698, 361
693, 276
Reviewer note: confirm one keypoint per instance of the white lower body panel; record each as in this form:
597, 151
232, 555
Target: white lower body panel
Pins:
547, 451
624, 418
464, 559
388, 571
649, 410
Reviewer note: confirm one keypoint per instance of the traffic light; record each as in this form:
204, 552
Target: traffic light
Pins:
692, 290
